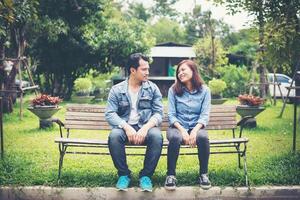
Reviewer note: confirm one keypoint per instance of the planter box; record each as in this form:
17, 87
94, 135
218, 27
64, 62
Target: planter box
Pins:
253, 111
82, 99
218, 101
44, 113
244, 110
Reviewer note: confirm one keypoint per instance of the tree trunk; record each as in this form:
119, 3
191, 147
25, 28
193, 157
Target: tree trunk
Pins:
213, 53
261, 67
296, 46
2, 72
9, 86
9, 82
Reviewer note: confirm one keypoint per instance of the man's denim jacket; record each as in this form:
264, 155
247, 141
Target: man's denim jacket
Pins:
149, 104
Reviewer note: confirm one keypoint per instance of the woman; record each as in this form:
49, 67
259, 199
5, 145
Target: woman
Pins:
189, 106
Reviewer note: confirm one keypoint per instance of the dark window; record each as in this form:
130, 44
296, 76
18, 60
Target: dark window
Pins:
282, 79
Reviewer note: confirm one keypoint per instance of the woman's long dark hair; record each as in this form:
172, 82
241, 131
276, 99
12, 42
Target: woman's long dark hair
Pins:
197, 81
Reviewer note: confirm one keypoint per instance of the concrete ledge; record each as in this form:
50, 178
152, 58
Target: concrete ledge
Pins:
227, 193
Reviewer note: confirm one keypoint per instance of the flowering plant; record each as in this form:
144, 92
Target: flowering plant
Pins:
250, 100
45, 100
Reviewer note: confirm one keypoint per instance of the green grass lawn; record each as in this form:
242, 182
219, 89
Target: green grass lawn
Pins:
31, 156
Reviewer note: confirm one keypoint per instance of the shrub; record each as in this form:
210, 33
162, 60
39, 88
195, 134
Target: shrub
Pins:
102, 82
217, 86
236, 78
82, 86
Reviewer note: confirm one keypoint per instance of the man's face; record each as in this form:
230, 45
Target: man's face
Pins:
142, 72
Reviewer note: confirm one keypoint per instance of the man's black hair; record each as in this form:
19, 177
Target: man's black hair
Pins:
134, 59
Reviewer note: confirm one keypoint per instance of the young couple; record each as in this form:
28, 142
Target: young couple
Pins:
134, 110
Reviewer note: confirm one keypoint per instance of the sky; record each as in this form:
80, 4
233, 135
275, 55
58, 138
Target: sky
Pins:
237, 21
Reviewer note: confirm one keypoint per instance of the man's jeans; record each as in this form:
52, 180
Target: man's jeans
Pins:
117, 140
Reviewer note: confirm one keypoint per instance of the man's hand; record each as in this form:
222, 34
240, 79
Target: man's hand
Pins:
130, 132
141, 135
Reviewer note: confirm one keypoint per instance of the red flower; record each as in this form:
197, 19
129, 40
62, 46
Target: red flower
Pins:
250, 100
45, 100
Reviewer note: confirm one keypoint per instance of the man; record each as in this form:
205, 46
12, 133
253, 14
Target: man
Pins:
134, 110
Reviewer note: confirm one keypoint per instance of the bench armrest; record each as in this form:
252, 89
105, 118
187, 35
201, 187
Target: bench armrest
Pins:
58, 121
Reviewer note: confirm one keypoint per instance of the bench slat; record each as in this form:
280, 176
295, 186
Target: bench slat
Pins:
102, 114
163, 128
99, 108
88, 114
104, 142
88, 127
218, 121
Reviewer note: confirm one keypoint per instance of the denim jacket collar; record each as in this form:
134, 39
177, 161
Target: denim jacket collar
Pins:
125, 85
191, 92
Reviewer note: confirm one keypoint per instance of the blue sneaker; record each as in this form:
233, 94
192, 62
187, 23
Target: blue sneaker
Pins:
146, 184
123, 183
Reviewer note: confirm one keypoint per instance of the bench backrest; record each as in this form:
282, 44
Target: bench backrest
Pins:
91, 117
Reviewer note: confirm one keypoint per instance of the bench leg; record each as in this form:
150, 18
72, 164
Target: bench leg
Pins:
239, 155
239, 161
62, 150
245, 171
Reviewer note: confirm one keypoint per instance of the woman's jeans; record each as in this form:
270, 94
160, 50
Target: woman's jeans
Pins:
117, 140
175, 140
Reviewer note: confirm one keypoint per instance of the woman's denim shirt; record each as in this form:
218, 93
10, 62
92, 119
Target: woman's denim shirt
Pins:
190, 108
149, 104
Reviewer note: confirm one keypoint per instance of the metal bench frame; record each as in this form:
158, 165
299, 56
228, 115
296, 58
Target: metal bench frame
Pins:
80, 117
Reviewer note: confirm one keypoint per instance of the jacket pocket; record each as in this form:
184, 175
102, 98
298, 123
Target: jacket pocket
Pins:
123, 107
145, 102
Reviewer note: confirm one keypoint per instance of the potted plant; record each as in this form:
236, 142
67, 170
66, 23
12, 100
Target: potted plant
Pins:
217, 86
82, 89
250, 106
44, 107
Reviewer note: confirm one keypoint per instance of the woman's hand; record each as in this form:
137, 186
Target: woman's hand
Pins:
185, 136
192, 139
193, 135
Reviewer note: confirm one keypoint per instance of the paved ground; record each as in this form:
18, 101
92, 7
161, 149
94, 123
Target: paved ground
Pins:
227, 193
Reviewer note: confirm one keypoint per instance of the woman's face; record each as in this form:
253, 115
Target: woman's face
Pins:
185, 74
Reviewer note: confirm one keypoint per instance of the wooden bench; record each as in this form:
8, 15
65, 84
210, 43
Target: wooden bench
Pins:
92, 117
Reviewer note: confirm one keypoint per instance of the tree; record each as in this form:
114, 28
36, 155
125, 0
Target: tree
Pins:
194, 25
15, 19
163, 8
166, 30
283, 35
282, 20
241, 46
204, 54
257, 8
137, 10
76, 40
199, 24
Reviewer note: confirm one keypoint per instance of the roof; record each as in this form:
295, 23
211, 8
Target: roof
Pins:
172, 44
173, 51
